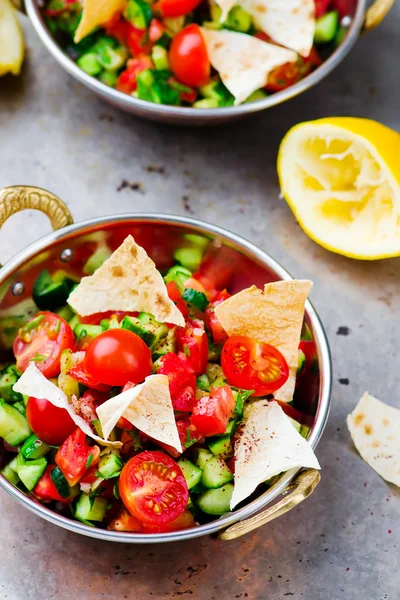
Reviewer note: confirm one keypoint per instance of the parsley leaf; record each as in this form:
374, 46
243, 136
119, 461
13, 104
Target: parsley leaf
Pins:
89, 461
240, 400
38, 357
189, 440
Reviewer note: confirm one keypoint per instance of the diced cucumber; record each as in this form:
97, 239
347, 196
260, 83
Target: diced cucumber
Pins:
31, 471
221, 447
178, 274
96, 260
214, 372
138, 13
90, 63
175, 24
304, 431
341, 34
110, 466
191, 473
111, 59
82, 330
13, 464
214, 350
238, 20
14, 427
62, 485
197, 240
190, 258
202, 456
216, 91
220, 382
159, 56
8, 378
165, 345
295, 424
255, 96
326, 27
109, 78
216, 473
206, 103
195, 298
229, 431
48, 293
65, 312
89, 509
146, 327
216, 501
66, 383
301, 362
34, 448
203, 383
74, 322
10, 475
20, 406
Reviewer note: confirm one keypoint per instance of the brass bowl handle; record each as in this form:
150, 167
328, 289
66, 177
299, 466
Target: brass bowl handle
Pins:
376, 13
15, 198
300, 488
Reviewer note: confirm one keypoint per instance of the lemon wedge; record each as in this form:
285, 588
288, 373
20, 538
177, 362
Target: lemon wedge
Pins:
341, 178
11, 40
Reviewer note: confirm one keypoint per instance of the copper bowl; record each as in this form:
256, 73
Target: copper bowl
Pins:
161, 235
363, 19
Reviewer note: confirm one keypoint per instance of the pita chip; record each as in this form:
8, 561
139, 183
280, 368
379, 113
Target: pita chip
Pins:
273, 316
374, 427
95, 13
243, 61
127, 281
34, 383
148, 407
267, 444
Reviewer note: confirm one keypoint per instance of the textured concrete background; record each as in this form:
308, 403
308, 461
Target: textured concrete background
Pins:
344, 541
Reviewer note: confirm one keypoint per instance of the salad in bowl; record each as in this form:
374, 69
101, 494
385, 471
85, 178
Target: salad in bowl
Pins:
147, 402
198, 53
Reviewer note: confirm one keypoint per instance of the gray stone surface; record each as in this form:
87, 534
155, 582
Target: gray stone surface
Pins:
344, 541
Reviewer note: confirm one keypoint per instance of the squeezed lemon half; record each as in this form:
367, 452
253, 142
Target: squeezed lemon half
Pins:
11, 40
341, 178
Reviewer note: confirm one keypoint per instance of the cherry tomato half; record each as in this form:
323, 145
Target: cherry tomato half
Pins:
251, 365
51, 424
42, 341
188, 57
117, 356
174, 8
153, 488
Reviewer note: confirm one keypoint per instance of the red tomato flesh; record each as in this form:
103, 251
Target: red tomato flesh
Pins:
175, 295
118, 356
127, 81
211, 414
79, 374
211, 322
185, 400
188, 57
73, 457
184, 521
174, 8
179, 371
192, 341
153, 488
251, 365
42, 341
51, 424
45, 489
321, 7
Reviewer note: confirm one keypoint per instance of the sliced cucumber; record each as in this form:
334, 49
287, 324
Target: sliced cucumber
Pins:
110, 465
14, 427
82, 330
34, 448
49, 294
159, 57
8, 378
190, 258
146, 327
31, 471
202, 456
203, 383
295, 424
10, 475
178, 274
326, 27
74, 322
216, 502
214, 372
165, 345
191, 473
216, 473
221, 447
89, 509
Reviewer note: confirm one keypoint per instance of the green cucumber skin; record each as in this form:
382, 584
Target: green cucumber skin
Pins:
34, 448
221, 447
326, 27
191, 473
84, 511
14, 427
31, 471
110, 466
216, 501
9, 474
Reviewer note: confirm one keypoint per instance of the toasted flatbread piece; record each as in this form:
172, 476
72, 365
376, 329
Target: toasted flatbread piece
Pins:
95, 13
243, 61
34, 383
148, 407
374, 427
273, 316
127, 281
266, 445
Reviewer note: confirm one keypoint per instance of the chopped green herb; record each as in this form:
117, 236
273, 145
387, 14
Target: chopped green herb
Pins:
186, 350
92, 496
240, 400
58, 326
32, 324
89, 461
116, 490
195, 298
38, 357
189, 440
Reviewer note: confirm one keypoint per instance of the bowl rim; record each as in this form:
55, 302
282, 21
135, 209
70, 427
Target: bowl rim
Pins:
91, 225
143, 107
